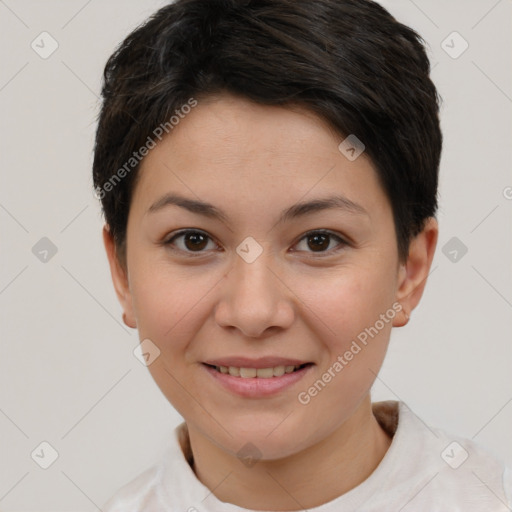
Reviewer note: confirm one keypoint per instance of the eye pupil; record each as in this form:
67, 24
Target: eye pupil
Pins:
198, 240
318, 238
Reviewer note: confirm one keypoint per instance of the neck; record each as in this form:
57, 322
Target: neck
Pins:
306, 479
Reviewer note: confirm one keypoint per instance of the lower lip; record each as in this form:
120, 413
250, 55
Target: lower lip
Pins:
255, 387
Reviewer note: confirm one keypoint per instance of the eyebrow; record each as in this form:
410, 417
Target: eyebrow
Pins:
295, 211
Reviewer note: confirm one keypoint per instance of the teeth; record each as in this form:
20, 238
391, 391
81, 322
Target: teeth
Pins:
235, 372
261, 373
247, 373
265, 373
278, 371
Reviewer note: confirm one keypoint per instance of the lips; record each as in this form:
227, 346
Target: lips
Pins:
256, 378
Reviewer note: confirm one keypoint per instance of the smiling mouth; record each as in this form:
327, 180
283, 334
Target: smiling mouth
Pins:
260, 373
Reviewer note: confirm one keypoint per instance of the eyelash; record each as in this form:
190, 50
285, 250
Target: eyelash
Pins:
194, 254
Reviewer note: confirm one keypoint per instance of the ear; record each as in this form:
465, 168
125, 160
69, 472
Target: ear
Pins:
119, 278
413, 274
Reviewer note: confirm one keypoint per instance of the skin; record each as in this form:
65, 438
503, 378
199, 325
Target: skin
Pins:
295, 300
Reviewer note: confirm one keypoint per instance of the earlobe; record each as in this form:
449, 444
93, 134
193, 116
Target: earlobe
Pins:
129, 322
414, 272
119, 278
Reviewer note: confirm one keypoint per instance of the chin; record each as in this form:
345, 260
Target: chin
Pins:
272, 439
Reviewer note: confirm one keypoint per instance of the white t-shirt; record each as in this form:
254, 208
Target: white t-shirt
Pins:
424, 470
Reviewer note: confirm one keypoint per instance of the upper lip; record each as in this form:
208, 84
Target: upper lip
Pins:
261, 362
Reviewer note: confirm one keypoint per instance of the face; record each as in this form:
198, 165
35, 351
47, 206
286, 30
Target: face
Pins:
266, 275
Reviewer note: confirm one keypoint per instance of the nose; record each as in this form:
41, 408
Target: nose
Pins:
255, 298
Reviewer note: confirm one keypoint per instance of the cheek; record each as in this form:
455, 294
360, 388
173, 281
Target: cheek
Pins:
354, 343
169, 308
349, 300
166, 301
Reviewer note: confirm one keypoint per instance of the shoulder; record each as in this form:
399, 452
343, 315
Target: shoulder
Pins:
444, 471
136, 495
160, 485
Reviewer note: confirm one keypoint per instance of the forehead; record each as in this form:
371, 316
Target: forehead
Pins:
226, 126
227, 148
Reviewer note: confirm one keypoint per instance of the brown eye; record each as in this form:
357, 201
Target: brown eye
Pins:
318, 242
189, 241
321, 242
195, 241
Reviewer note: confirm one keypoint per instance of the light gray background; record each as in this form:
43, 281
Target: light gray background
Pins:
68, 374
